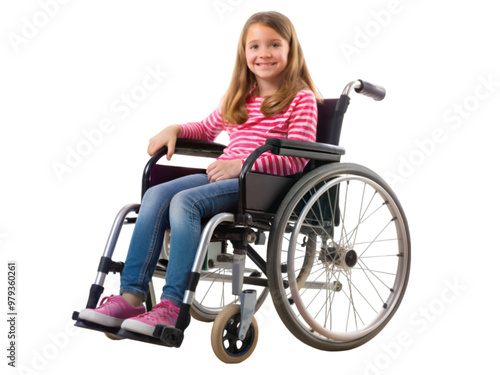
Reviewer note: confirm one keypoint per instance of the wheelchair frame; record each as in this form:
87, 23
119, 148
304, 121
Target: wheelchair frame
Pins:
295, 215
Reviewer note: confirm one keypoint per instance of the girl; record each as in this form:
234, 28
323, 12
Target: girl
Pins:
271, 95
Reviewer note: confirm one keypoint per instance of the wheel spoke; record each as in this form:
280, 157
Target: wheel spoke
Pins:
377, 236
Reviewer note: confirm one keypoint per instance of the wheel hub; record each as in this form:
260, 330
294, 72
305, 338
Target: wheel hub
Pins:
350, 258
338, 256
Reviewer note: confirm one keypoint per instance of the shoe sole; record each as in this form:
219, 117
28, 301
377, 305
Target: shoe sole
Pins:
99, 318
138, 327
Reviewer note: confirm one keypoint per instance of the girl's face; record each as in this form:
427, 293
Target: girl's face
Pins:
267, 56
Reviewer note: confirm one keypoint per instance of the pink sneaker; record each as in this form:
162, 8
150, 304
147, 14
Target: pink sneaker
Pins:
165, 313
112, 311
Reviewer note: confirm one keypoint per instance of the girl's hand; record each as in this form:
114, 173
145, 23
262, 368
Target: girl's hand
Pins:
167, 137
223, 170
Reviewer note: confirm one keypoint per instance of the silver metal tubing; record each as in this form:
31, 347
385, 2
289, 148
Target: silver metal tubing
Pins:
351, 86
238, 273
99, 280
188, 297
206, 236
114, 234
248, 301
117, 226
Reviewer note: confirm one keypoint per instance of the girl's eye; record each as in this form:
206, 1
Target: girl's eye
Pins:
275, 44
254, 46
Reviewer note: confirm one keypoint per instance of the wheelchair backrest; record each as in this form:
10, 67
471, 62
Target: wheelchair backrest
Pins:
328, 127
327, 130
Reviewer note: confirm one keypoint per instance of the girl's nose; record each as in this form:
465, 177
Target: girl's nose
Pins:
265, 52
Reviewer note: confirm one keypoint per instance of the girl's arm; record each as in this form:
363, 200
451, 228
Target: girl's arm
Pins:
205, 130
167, 137
302, 127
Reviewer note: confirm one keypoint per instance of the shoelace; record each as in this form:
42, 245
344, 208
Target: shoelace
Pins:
104, 300
158, 312
111, 299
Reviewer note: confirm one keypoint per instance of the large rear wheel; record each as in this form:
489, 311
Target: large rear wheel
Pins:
338, 257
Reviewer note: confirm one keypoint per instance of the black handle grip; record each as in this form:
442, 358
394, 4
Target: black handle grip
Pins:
373, 91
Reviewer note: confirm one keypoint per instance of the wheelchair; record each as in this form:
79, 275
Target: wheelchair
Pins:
331, 245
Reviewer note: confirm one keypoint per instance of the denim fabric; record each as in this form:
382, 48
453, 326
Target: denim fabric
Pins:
179, 205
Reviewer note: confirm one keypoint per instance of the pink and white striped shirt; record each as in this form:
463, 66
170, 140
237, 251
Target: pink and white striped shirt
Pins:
297, 122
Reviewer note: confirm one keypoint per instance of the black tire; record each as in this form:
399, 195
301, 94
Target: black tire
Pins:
361, 257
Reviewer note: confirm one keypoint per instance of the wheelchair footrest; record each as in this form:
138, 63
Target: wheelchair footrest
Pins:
169, 335
157, 340
162, 335
94, 326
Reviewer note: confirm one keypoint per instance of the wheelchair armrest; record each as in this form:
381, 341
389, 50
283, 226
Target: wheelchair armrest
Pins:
189, 147
183, 147
198, 148
308, 150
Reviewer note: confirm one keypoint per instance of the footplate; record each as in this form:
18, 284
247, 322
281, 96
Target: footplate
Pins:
94, 326
169, 336
162, 335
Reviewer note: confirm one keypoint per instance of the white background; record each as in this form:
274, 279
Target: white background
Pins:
64, 69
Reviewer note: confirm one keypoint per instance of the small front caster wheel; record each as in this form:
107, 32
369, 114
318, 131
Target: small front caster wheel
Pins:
225, 342
112, 336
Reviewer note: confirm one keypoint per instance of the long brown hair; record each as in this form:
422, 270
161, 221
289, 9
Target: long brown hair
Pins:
295, 76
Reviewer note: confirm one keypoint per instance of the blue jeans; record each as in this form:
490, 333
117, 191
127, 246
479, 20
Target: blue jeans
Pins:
179, 205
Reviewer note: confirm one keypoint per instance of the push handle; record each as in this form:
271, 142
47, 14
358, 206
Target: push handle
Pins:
373, 91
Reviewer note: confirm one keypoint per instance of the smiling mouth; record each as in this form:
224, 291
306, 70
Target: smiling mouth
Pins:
265, 65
